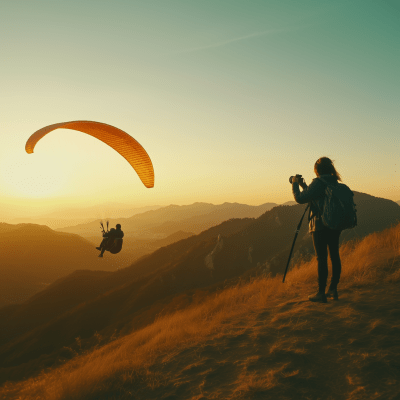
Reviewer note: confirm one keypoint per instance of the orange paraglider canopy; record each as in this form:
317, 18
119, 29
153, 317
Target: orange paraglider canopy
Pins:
119, 140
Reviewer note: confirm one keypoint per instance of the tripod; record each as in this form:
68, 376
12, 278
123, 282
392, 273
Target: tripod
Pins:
295, 237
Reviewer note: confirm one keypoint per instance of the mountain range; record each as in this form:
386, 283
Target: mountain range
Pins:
165, 221
43, 331
33, 256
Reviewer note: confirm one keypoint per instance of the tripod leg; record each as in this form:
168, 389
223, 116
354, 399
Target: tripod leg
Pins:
294, 241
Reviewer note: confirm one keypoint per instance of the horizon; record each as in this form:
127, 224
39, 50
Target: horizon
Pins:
8, 216
100, 208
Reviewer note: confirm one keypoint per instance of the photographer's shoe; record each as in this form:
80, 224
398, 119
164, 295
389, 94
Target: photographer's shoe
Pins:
98, 248
318, 298
332, 293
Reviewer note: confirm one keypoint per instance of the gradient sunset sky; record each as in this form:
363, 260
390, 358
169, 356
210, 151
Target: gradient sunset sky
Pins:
229, 98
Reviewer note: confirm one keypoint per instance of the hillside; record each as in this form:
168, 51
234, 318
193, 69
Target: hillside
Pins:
33, 256
257, 246
88, 304
257, 339
165, 221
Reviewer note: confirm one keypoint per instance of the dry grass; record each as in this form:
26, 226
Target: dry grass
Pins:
137, 359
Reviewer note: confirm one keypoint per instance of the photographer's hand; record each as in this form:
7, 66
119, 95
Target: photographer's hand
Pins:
303, 184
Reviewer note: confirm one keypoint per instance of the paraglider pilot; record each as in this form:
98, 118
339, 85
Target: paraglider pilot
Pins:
109, 238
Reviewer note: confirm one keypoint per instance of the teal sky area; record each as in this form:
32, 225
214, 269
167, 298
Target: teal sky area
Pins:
229, 98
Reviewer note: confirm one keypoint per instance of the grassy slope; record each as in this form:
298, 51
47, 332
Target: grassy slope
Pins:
260, 339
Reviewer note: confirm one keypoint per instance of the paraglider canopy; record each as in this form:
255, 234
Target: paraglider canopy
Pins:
119, 140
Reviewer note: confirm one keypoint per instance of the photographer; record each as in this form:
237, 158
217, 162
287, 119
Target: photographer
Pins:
323, 237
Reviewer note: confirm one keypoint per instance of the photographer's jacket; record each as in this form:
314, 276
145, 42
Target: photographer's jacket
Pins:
315, 194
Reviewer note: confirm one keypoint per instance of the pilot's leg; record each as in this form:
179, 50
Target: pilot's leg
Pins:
105, 245
103, 242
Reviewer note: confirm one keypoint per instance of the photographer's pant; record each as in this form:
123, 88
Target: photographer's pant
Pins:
324, 239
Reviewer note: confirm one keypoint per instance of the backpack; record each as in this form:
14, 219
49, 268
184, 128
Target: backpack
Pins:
339, 210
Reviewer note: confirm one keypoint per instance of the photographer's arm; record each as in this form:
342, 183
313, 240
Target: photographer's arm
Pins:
309, 193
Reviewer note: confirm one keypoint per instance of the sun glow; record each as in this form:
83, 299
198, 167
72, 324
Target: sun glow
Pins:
33, 177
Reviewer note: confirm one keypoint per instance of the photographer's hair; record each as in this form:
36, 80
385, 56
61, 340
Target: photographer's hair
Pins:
324, 166
118, 226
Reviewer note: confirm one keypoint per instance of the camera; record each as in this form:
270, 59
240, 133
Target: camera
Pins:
297, 176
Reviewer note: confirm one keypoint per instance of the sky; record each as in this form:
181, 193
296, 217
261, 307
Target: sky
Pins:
229, 98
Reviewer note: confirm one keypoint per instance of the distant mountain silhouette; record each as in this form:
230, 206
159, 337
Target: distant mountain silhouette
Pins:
36, 333
53, 223
223, 212
33, 256
78, 216
165, 221
112, 210
289, 203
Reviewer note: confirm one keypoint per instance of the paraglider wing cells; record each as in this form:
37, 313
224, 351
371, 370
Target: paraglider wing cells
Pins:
119, 140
